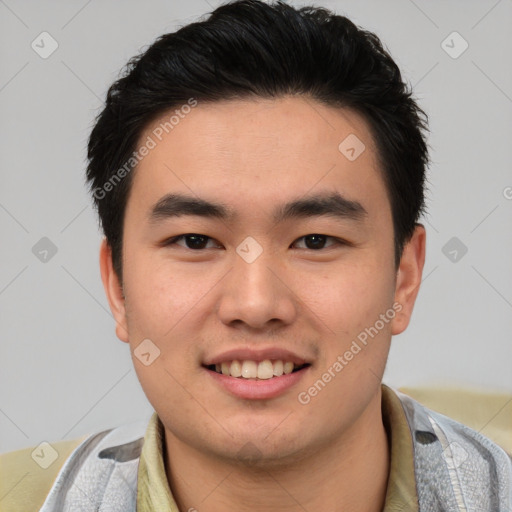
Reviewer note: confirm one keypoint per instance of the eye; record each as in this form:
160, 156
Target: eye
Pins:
317, 241
192, 241
197, 242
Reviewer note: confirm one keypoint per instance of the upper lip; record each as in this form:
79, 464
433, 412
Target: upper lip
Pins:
247, 354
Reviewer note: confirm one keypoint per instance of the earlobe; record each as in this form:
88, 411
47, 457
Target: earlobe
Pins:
113, 290
408, 278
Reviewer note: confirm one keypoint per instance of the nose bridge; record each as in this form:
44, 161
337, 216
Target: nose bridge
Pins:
254, 293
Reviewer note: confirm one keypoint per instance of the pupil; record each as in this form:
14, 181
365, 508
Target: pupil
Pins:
318, 241
196, 241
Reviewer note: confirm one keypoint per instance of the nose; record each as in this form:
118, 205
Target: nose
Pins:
257, 294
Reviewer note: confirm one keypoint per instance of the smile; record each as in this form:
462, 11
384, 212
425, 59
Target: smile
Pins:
263, 370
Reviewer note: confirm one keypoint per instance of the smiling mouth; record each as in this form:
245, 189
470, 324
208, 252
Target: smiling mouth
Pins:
262, 370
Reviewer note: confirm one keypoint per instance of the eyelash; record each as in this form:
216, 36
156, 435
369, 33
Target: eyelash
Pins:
175, 239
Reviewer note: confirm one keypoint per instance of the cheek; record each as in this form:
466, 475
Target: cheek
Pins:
161, 296
346, 299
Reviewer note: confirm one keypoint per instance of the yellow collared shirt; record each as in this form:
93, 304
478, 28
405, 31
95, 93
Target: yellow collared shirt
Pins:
154, 492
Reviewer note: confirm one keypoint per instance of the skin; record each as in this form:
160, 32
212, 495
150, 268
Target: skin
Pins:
331, 454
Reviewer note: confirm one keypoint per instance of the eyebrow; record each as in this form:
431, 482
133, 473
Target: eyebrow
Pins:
330, 205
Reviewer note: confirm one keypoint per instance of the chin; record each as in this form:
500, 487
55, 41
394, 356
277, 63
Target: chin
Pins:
262, 451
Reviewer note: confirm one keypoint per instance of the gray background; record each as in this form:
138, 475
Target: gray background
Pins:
63, 371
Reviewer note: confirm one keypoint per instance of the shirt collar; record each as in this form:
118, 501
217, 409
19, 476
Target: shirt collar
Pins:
401, 493
154, 492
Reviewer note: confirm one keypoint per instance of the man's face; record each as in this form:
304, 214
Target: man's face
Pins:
259, 282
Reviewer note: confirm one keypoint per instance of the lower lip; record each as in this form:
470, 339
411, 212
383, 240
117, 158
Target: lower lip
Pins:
252, 389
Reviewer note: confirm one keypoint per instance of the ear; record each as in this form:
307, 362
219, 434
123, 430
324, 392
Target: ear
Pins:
408, 279
113, 290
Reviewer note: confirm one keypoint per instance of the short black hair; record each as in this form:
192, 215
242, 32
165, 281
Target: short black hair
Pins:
249, 48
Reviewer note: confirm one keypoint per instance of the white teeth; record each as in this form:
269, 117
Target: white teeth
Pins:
265, 370
236, 369
278, 368
247, 369
288, 367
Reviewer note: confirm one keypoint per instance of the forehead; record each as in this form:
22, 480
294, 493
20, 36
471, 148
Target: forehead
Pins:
257, 150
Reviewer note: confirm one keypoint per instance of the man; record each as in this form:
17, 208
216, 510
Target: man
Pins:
259, 179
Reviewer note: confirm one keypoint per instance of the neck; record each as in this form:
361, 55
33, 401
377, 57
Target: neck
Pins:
349, 474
